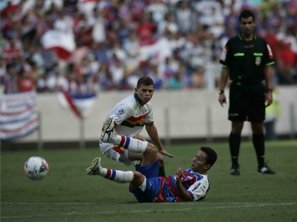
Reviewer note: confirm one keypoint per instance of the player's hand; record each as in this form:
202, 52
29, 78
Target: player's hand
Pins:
269, 98
222, 99
179, 175
164, 152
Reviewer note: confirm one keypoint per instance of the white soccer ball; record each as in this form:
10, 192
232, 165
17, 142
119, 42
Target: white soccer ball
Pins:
36, 168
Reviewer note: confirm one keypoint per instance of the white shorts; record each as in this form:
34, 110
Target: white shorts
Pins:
115, 152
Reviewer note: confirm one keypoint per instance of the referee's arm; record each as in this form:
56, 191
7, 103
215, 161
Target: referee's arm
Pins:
222, 83
269, 72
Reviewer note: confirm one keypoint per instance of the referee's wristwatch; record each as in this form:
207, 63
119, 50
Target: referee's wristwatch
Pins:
221, 91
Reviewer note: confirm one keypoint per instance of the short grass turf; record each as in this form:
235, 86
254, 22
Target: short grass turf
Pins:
68, 194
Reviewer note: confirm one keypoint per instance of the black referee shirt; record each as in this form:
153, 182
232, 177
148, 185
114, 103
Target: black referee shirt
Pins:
246, 60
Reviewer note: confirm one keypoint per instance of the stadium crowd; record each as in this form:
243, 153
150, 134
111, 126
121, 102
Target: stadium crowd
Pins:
90, 45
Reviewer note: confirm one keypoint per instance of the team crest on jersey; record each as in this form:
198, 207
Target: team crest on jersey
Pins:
258, 61
121, 111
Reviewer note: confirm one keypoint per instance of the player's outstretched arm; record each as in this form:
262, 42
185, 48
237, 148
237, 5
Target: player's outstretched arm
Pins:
166, 153
153, 133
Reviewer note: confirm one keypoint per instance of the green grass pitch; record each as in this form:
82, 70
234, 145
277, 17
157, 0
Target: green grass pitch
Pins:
68, 194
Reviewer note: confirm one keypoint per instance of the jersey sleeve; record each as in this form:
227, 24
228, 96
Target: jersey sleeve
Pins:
199, 189
269, 57
225, 55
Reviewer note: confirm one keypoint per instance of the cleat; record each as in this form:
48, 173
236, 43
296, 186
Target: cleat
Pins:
235, 170
94, 168
265, 170
107, 133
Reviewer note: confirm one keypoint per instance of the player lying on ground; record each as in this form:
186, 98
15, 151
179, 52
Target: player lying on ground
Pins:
186, 185
128, 118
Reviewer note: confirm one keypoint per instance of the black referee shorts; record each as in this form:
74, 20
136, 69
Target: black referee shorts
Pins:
246, 103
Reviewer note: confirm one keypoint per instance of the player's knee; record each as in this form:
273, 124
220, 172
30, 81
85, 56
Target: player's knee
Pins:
137, 179
137, 174
151, 151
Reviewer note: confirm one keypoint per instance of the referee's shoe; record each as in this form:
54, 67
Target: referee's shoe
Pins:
234, 171
265, 170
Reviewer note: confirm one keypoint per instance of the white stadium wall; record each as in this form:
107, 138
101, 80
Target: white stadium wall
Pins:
178, 114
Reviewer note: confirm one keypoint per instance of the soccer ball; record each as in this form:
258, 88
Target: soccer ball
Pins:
36, 168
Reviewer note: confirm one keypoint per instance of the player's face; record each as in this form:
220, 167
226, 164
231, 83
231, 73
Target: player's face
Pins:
247, 25
199, 162
145, 93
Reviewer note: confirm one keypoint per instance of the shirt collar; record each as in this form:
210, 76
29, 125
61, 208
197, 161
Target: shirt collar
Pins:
138, 99
241, 37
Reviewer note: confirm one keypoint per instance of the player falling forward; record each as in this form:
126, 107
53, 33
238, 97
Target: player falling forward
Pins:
127, 119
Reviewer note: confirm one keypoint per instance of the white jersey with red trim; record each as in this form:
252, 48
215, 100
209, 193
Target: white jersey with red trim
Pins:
130, 116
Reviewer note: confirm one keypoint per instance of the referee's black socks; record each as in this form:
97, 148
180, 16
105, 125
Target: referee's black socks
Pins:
259, 145
234, 145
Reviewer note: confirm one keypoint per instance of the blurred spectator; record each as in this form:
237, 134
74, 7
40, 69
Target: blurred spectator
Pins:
211, 15
98, 31
157, 9
175, 81
198, 77
146, 30
105, 79
167, 24
287, 56
57, 81
25, 82
287, 63
8, 79
186, 18
13, 51
111, 43
131, 45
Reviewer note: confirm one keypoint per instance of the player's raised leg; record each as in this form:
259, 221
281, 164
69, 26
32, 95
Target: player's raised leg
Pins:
119, 176
108, 136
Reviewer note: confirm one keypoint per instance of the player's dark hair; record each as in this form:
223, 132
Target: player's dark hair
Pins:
211, 155
145, 80
246, 14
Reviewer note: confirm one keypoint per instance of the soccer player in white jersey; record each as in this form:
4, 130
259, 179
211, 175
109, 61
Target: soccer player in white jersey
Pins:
186, 185
127, 119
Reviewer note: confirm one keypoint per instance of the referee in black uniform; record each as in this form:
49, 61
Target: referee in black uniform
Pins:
247, 61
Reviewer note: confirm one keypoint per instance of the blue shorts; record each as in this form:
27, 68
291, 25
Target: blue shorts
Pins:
153, 183
150, 170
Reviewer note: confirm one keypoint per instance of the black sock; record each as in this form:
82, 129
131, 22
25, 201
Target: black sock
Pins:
234, 145
161, 171
258, 141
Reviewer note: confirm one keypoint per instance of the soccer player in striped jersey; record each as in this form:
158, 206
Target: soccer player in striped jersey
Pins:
186, 185
126, 120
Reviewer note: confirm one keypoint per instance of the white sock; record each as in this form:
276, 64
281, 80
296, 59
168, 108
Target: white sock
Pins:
117, 175
132, 144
